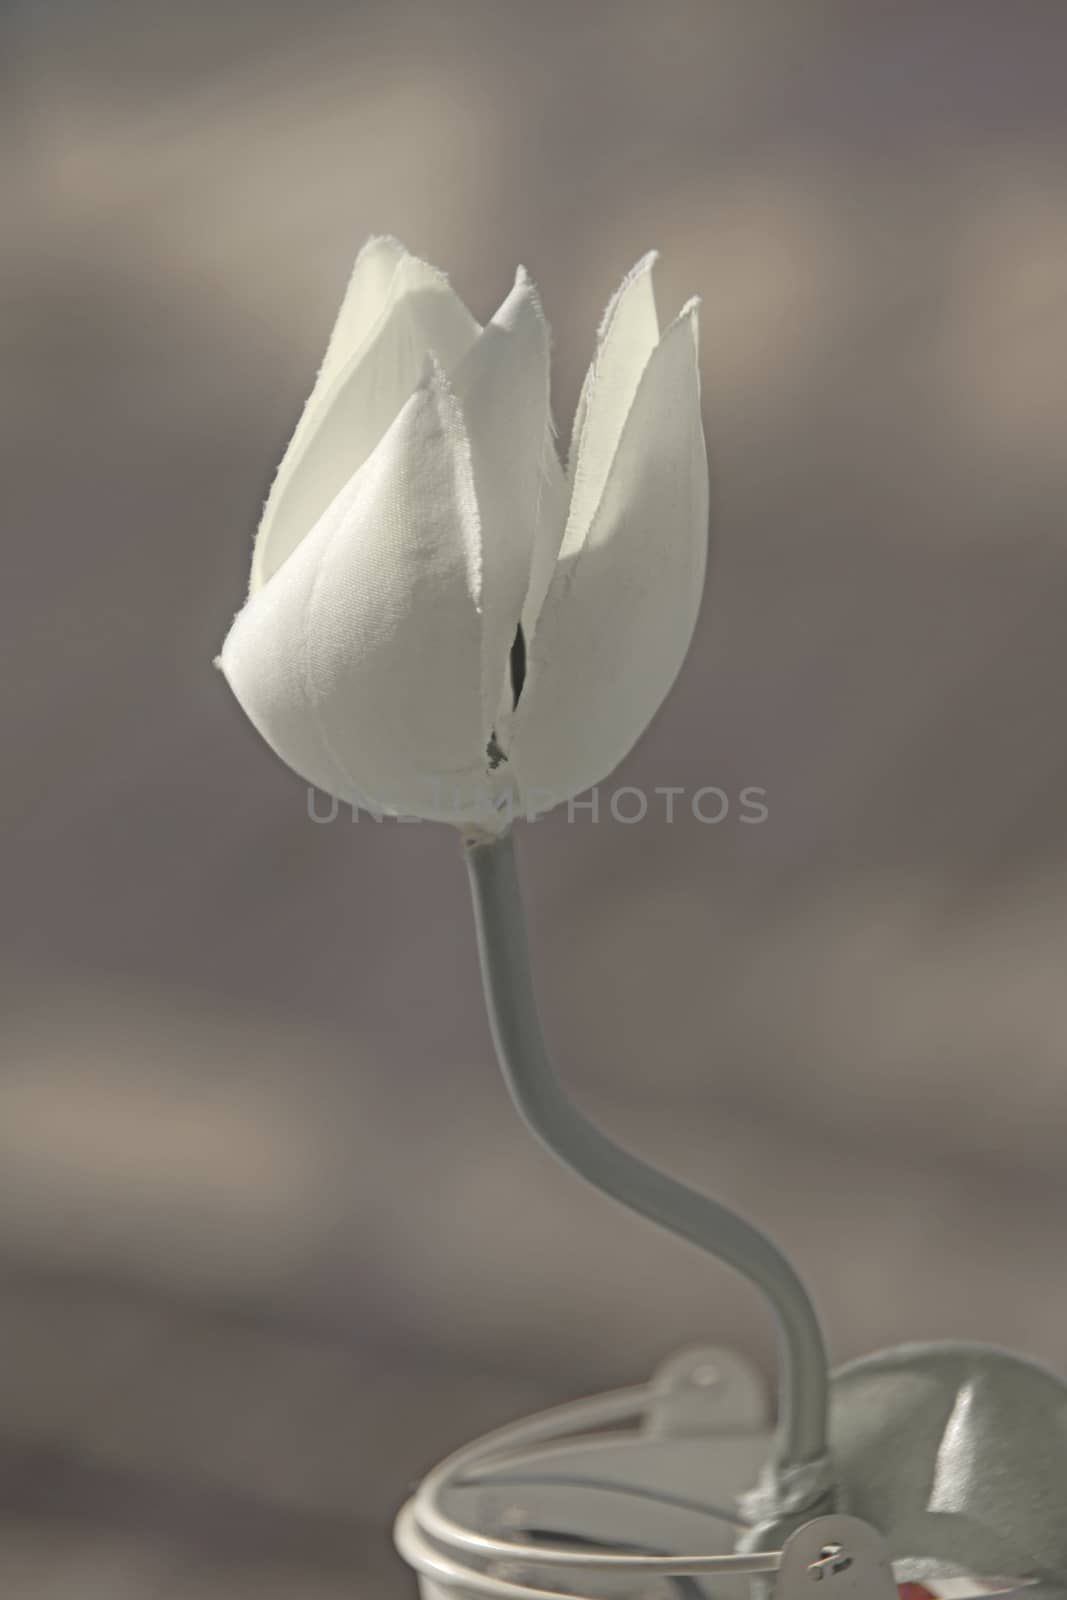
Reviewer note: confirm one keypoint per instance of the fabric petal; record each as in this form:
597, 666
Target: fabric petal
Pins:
349, 413
628, 335
502, 386
551, 522
360, 661
620, 612
363, 304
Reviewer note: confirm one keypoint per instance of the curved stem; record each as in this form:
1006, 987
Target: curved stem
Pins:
579, 1144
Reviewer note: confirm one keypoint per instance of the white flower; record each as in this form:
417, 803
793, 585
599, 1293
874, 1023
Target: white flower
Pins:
438, 614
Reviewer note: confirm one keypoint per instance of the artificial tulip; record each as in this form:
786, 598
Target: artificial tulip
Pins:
442, 622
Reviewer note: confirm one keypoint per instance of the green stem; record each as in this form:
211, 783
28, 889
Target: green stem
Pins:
565, 1130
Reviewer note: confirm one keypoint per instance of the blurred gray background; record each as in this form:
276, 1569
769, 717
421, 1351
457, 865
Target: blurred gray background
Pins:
271, 1236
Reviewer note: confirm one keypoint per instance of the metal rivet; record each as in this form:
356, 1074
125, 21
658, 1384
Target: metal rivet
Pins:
705, 1377
832, 1559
